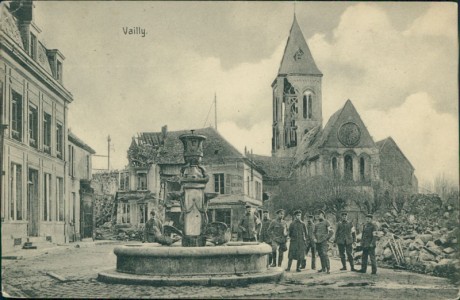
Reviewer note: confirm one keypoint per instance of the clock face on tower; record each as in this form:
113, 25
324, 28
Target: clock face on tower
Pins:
349, 134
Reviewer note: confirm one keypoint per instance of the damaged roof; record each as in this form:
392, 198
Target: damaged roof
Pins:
216, 149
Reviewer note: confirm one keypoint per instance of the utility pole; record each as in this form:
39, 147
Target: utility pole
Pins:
108, 152
215, 110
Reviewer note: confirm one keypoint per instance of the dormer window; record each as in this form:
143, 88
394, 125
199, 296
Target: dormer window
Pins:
33, 46
55, 59
59, 71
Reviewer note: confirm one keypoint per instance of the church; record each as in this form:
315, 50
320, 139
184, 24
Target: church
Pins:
343, 149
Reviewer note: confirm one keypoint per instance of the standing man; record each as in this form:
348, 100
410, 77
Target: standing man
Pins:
368, 242
278, 232
250, 225
323, 232
310, 245
298, 235
264, 237
345, 238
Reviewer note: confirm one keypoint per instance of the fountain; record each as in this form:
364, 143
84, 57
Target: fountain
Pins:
194, 260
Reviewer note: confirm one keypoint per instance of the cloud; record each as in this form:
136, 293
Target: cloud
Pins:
439, 20
428, 138
377, 66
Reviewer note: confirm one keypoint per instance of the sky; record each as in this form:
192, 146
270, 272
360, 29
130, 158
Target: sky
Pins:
396, 61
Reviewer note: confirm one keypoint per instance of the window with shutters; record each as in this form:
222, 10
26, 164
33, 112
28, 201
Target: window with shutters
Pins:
47, 133
16, 197
16, 116
33, 126
219, 183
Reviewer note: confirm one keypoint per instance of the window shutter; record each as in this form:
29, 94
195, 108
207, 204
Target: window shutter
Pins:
228, 184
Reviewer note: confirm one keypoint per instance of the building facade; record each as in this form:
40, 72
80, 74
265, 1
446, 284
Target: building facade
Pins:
152, 179
34, 105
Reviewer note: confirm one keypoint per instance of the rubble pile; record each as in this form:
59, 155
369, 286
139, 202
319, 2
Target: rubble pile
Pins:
426, 243
121, 232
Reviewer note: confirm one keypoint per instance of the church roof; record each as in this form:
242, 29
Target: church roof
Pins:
310, 146
347, 114
389, 142
297, 58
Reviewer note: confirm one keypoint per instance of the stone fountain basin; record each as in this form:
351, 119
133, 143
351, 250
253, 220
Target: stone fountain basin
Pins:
154, 259
235, 263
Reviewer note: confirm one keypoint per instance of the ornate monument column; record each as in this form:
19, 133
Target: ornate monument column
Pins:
193, 180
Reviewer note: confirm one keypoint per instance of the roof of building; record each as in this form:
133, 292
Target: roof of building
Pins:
297, 58
274, 167
216, 149
78, 142
9, 25
390, 142
309, 147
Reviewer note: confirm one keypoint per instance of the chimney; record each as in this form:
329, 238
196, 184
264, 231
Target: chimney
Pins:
22, 10
164, 131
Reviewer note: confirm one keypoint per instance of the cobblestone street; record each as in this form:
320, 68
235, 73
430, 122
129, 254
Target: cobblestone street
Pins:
70, 272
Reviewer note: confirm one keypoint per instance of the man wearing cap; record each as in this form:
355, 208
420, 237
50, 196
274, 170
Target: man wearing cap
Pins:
310, 245
249, 225
323, 232
368, 242
345, 238
298, 235
278, 232
153, 231
264, 237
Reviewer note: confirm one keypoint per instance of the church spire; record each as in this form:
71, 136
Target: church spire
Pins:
297, 58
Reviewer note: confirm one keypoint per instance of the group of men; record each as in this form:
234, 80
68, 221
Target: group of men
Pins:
310, 236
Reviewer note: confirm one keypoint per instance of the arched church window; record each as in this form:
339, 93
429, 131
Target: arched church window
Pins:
307, 105
334, 166
362, 168
348, 175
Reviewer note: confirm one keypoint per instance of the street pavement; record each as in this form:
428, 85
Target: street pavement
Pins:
71, 272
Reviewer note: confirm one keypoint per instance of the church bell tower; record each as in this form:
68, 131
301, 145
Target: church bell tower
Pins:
297, 101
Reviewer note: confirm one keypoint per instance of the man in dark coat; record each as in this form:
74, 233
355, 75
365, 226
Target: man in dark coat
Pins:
264, 237
345, 238
249, 225
323, 232
368, 242
278, 232
311, 245
298, 235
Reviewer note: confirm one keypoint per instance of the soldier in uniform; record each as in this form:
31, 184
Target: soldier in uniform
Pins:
264, 237
345, 238
153, 231
278, 232
323, 232
298, 235
249, 225
368, 242
310, 245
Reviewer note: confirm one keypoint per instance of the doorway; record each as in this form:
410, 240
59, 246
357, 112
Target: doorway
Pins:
32, 203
